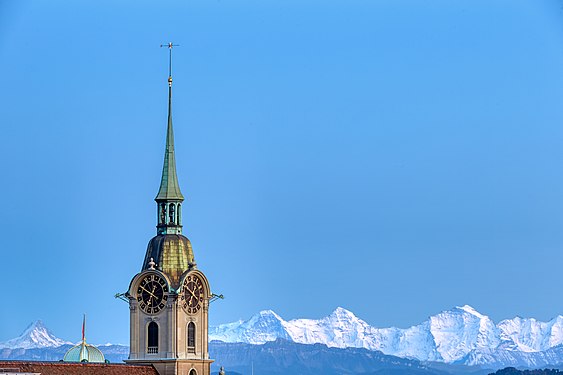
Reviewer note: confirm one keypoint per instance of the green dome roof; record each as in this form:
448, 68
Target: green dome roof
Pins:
84, 353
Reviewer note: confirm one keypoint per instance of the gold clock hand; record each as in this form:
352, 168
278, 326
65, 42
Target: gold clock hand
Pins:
146, 290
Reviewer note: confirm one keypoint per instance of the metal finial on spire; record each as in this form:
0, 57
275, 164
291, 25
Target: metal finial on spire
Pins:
170, 46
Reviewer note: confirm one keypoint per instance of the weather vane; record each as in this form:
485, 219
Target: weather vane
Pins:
170, 46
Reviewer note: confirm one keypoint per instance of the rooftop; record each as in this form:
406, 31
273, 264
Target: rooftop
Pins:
66, 368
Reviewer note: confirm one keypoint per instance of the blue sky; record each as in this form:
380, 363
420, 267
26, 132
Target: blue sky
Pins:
393, 157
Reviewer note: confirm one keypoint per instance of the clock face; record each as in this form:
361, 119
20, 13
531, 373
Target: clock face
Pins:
192, 294
151, 294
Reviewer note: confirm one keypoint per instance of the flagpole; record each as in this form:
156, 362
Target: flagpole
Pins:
83, 328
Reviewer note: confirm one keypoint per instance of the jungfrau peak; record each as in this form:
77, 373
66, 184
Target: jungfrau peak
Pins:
461, 330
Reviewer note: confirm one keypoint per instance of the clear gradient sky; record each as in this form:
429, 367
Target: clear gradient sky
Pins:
394, 157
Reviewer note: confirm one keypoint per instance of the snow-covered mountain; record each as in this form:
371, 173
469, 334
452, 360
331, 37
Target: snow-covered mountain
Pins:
35, 336
459, 335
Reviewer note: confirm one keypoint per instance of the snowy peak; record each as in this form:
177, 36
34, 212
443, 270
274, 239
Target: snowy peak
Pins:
340, 329
459, 331
265, 319
531, 335
259, 329
341, 313
36, 335
470, 310
267, 315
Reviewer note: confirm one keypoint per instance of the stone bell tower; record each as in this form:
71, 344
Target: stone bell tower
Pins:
169, 298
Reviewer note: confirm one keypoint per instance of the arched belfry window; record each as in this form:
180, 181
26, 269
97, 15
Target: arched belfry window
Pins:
191, 338
152, 339
179, 215
192, 372
171, 212
163, 213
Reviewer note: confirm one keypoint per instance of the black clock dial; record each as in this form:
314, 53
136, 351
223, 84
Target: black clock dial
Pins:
151, 294
192, 294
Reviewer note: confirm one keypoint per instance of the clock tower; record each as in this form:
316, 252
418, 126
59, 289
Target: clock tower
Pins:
169, 298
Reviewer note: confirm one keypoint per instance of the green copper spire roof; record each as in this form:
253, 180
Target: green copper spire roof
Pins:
169, 186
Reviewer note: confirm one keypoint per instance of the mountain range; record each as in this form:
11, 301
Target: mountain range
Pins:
460, 335
460, 340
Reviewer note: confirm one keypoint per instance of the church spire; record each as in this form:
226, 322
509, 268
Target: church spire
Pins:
169, 197
169, 187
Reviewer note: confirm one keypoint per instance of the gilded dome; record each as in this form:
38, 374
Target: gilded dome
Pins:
84, 353
172, 254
